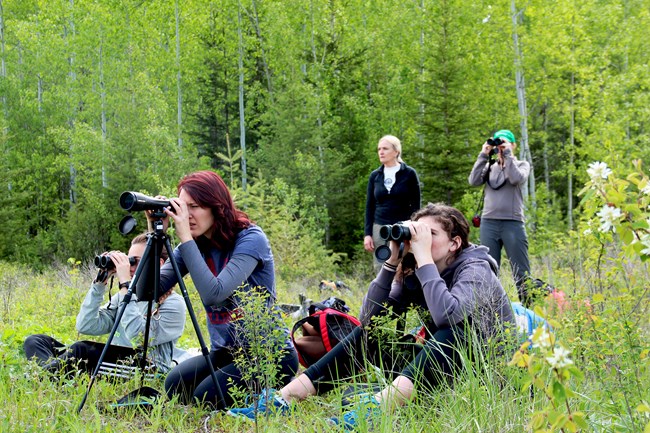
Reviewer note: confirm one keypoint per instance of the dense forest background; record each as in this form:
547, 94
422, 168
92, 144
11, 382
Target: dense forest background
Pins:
287, 99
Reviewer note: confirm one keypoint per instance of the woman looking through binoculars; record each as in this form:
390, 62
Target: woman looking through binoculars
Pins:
224, 252
455, 282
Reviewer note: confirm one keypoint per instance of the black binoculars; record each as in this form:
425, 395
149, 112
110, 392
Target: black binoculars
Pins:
395, 232
105, 262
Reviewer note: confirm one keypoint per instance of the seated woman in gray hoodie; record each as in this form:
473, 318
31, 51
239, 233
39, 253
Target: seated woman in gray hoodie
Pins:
165, 328
455, 283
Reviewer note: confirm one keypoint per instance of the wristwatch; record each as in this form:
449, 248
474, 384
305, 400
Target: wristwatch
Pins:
125, 285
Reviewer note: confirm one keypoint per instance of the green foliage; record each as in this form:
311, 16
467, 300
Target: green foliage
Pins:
551, 371
294, 225
601, 314
610, 353
94, 101
262, 341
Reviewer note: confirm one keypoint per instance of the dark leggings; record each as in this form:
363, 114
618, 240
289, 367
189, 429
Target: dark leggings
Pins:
511, 235
191, 379
53, 355
432, 364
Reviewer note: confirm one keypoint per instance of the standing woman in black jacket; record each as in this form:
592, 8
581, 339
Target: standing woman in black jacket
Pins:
393, 192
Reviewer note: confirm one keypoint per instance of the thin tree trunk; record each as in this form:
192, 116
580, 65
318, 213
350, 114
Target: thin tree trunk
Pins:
420, 85
71, 120
179, 109
242, 124
319, 120
521, 100
571, 154
571, 133
3, 70
547, 171
258, 33
102, 93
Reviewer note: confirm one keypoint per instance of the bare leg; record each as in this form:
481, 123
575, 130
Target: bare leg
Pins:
397, 394
298, 389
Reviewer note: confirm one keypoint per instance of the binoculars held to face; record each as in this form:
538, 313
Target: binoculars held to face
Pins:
395, 232
106, 262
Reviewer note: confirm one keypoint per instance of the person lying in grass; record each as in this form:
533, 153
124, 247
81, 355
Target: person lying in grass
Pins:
455, 282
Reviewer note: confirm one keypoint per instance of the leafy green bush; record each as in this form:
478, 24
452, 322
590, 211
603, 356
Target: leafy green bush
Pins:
295, 226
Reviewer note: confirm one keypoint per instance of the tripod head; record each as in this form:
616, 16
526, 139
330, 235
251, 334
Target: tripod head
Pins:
148, 272
135, 201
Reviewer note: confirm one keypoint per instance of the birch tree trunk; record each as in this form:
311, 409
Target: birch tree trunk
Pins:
319, 120
524, 151
179, 109
420, 86
547, 171
3, 70
571, 155
242, 123
68, 36
102, 93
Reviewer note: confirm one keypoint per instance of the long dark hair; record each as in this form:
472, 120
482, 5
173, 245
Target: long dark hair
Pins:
210, 191
452, 220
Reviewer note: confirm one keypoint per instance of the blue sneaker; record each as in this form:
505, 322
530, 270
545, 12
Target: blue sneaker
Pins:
367, 408
267, 403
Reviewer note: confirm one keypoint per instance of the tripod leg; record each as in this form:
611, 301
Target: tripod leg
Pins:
118, 318
195, 323
157, 248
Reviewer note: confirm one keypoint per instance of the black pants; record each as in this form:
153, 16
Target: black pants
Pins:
55, 356
191, 379
431, 364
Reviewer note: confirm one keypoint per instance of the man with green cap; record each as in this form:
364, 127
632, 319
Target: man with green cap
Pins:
502, 218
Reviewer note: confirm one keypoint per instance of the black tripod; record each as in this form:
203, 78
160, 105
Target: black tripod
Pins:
147, 290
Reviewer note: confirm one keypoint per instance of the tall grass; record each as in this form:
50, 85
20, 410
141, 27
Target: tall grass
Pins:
604, 322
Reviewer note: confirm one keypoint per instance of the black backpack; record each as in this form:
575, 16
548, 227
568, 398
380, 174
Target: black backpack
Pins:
327, 324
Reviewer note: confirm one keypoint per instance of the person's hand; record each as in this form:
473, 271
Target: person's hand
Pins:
395, 257
504, 146
486, 149
181, 216
420, 243
368, 243
122, 266
151, 218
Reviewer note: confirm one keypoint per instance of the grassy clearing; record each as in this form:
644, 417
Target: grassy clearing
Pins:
608, 338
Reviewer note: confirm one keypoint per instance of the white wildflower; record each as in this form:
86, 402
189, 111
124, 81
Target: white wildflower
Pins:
608, 216
646, 189
645, 240
598, 171
542, 339
560, 358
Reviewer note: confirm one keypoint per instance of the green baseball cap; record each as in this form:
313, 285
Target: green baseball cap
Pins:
504, 133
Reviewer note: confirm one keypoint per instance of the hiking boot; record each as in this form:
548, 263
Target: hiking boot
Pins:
267, 403
367, 409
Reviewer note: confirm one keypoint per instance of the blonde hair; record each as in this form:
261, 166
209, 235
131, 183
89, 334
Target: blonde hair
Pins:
397, 145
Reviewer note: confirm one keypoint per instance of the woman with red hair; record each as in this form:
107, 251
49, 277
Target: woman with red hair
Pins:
226, 255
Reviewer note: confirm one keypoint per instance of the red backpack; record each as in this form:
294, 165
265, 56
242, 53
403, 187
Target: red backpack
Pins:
327, 324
